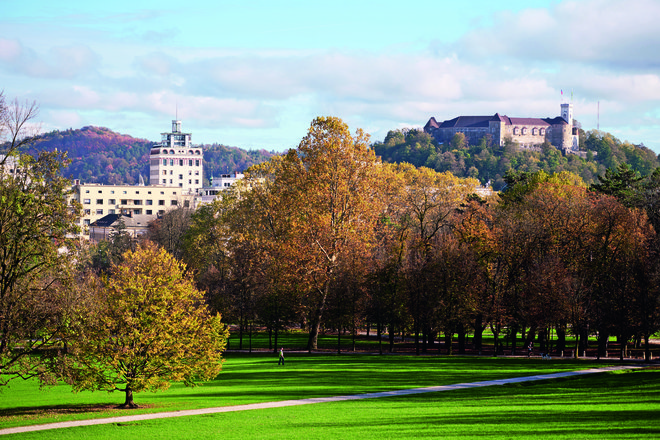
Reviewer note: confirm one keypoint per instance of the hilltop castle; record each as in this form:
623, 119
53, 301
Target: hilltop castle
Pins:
526, 132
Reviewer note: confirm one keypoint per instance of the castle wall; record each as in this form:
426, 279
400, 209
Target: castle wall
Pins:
527, 135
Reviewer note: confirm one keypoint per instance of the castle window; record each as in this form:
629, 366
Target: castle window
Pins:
515, 130
524, 130
543, 132
534, 130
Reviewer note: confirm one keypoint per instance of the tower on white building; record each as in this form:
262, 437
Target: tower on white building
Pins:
175, 162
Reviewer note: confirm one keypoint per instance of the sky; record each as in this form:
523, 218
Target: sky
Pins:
255, 74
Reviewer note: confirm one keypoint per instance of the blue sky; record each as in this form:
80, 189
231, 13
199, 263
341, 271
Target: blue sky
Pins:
255, 74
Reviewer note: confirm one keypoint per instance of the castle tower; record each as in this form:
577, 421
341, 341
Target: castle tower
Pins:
175, 162
567, 112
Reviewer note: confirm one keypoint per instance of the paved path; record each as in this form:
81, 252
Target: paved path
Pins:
284, 403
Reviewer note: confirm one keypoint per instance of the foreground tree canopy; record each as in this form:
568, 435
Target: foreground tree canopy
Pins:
36, 303
147, 325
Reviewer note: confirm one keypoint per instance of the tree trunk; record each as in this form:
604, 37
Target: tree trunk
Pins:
315, 324
128, 404
478, 332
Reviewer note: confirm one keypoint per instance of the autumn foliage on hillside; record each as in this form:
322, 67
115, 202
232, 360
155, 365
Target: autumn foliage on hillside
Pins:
100, 155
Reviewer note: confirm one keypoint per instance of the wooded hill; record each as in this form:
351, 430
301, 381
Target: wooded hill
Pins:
99, 155
487, 162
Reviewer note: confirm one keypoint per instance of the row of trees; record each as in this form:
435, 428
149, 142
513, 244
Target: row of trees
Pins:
329, 236
115, 317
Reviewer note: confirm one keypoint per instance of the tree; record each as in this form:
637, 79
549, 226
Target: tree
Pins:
168, 230
149, 327
35, 251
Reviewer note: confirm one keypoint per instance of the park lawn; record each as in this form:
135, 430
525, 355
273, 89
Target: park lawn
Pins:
253, 378
615, 405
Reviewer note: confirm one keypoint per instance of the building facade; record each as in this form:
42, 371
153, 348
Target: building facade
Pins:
175, 162
218, 185
99, 200
526, 132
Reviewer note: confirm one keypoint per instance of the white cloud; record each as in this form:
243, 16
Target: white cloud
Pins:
621, 34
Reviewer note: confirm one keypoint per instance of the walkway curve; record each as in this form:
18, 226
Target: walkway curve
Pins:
285, 403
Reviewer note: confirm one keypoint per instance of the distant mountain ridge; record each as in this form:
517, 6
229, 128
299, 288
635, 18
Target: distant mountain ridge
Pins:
100, 155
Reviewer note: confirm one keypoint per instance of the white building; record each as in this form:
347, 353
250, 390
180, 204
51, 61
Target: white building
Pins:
175, 162
99, 200
218, 184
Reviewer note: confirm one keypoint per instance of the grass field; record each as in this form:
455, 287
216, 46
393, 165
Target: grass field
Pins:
611, 405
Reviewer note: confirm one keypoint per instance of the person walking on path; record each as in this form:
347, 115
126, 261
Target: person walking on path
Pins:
281, 360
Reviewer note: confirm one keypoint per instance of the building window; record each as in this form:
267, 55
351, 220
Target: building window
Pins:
196, 181
112, 191
149, 202
137, 202
186, 203
86, 191
524, 130
164, 172
99, 212
99, 201
86, 201
164, 161
164, 181
100, 191
86, 222
173, 202
111, 201
149, 212
189, 181
180, 176
171, 161
515, 130
180, 162
161, 212
190, 163
123, 202
161, 203
111, 211
87, 212
137, 211
196, 162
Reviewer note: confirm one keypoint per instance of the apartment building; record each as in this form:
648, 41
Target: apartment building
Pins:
99, 200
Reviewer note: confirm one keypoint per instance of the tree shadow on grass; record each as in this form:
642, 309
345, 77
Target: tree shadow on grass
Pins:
56, 410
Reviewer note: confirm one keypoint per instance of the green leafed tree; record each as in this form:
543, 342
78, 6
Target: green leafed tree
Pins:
149, 326
35, 253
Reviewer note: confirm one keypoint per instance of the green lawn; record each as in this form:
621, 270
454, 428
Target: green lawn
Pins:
614, 405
